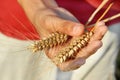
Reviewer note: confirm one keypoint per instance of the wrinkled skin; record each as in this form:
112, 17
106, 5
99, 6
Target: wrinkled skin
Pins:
47, 18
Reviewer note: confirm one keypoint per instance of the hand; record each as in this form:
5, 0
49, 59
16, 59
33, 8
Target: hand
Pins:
48, 17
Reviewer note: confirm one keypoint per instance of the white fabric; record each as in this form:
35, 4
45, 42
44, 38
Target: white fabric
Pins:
18, 63
104, 69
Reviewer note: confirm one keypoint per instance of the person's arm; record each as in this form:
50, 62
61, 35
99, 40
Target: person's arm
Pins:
47, 17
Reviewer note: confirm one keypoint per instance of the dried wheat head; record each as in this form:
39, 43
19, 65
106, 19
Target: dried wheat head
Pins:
70, 51
53, 40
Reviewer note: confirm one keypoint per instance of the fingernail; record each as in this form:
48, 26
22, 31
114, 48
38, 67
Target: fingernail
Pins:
76, 64
80, 61
77, 30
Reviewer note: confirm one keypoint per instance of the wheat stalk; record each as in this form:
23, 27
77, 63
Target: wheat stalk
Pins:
96, 11
106, 20
70, 51
76, 45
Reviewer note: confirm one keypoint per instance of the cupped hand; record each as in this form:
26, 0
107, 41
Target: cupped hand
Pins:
48, 17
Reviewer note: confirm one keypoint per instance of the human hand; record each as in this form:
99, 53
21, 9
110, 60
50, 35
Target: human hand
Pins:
48, 18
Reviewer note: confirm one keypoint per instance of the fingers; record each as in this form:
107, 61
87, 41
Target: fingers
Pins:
70, 28
54, 22
94, 44
72, 64
65, 26
95, 41
90, 49
100, 31
81, 57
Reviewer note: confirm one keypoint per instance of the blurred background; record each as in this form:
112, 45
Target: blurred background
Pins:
117, 73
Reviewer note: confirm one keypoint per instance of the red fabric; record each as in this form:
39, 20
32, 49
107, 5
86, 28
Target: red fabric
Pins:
83, 9
14, 23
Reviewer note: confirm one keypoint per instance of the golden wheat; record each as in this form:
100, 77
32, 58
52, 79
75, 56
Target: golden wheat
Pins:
76, 45
54, 39
70, 51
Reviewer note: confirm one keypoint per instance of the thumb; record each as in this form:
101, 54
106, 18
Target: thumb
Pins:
65, 26
69, 27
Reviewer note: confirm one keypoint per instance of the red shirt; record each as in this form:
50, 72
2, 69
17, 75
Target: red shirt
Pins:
14, 23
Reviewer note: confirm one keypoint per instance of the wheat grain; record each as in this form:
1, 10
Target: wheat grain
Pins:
70, 51
54, 39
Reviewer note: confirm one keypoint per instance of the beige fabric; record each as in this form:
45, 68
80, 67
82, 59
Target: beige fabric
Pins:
18, 63
104, 69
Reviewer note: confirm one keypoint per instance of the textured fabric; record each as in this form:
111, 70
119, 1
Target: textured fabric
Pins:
19, 63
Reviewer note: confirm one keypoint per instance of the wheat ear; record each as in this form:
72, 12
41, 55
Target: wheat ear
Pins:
53, 40
70, 51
